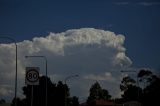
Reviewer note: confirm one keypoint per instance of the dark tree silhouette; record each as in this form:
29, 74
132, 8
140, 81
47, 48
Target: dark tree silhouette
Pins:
96, 92
61, 90
39, 92
105, 94
151, 92
130, 90
2, 101
74, 101
126, 82
145, 76
19, 102
55, 94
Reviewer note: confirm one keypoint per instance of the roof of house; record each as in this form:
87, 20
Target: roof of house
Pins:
103, 102
100, 102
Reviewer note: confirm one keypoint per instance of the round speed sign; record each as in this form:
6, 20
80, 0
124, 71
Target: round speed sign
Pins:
32, 76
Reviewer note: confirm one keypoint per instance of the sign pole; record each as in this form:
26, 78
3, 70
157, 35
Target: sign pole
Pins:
32, 95
32, 78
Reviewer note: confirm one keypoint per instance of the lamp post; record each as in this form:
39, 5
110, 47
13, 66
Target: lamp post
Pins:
10, 38
65, 81
136, 79
44, 57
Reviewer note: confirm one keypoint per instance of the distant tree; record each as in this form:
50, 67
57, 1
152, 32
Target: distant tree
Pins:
105, 94
19, 102
151, 90
145, 76
55, 94
74, 101
126, 82
2, 101
130, 90
96, 92
149, 95
62, 92
39, 93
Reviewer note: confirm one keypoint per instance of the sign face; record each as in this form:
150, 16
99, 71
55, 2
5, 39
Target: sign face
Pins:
32, 76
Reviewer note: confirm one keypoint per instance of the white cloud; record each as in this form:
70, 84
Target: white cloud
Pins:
88, 52
5, 90
105, 77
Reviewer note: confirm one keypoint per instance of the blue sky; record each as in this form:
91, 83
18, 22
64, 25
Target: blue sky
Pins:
137, 20
140, 23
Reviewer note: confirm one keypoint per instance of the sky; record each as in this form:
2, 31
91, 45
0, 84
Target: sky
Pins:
92, 38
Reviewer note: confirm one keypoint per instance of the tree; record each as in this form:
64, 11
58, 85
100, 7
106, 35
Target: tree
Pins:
2, 101
149, 95
74, 101
62, 92
55, 94
151, 90
19, 102
39, 93
96, 92
145, 76
105, 94
126, 82
129, 88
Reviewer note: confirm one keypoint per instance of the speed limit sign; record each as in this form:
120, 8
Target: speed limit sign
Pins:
32, 75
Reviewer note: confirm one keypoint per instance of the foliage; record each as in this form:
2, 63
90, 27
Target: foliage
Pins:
74, 101
126, 83
2, 101
96, 92
19, 102
149, 95
145, 76
55, 94
129, 88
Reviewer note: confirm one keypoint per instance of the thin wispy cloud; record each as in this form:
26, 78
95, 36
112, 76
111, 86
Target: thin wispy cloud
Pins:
105, 77
148, 3
137, 3
121, 3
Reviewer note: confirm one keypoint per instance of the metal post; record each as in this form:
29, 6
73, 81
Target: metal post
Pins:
10, 38
46, 82
32, 96
46, 73
65, 91
16, 78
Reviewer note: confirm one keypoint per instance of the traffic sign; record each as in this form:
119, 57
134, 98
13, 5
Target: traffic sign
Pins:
32, 76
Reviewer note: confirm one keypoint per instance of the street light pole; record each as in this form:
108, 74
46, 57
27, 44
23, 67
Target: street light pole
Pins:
10, 38
44, 57
65, 91
136, 79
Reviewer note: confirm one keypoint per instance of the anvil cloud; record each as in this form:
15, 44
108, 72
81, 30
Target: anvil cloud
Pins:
92, 53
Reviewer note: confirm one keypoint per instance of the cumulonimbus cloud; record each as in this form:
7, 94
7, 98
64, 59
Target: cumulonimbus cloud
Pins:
85, 51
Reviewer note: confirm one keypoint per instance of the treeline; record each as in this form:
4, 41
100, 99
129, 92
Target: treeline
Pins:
57, 95
144, 89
